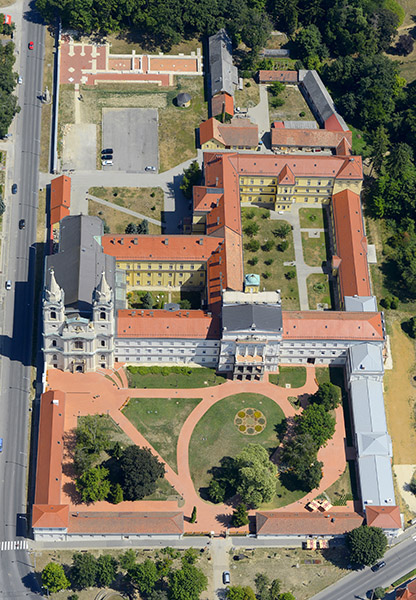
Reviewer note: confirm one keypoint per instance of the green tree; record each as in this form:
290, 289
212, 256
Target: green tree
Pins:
283, 230
379, 144
187, 583
366, 544
83, 570
251, 229
193, 516
309, 43
239, 592
54, 578
327, 395
143, 227
106, 570
405, 45
379, 593
287, 596
255, 475
283, 246
412, 484
140, 470
148, 301
158, 595
190, 556
290, 274
191, 176
253, 245
216, 491
130, 229
93, 485
276, 88
274, 589
128, 559
91, 438
298, 456
316, 421
268, 245
262, 584
2, 206
240, 516
185, 304
144, 576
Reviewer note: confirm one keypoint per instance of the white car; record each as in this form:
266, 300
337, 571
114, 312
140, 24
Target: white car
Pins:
106, 163
20, 79
150, 169
8, 285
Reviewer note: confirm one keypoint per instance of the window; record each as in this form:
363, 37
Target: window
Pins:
53, 314
181, 267
55, 366
53, 342
54, 357
103, 365
102, 357
102, 342
102, 316
160, 266
149, 266
79, 345
192, 267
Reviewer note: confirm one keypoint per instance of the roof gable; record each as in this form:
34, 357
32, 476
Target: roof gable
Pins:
385, 517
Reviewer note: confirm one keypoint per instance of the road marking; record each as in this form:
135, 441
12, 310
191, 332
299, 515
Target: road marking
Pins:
14, 545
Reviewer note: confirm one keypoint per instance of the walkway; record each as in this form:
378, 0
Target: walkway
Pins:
93, 393
127, 211
259, 114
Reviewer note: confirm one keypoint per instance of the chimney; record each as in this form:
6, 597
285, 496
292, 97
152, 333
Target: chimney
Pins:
135, 241
55, 401
166, 241
122, 241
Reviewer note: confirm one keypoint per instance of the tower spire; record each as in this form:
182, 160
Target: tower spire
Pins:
53, 292
103, 290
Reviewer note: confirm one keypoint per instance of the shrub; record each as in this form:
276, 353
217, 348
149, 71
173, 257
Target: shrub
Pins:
253, 261
276, 102
290, 274
152, 195
269, 261
193, 516
302, 113
283, 246
267, 275
240, 516
253, 246
54, 578
117, 494
268, 246
412, 484
248, 84
251, 229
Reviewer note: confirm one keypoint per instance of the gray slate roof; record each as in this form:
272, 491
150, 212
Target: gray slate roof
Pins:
360, 303
377, 444
300, 124
323, 105
366, 359
80, 261
252, 317
223, 74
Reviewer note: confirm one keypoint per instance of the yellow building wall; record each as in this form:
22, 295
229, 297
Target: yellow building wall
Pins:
212, 145
354, 186
175, 274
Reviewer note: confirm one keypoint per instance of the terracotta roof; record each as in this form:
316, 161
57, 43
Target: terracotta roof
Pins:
159, 247
50, 516
351, 244
50, 448
351, 169
286, 176
313, 138
286, 76
344, 147
332, 325
221, 101
333, 124
385, 517
60, 198
240, 132
408, 592
126, 522
195, 324
205, 198
304, 523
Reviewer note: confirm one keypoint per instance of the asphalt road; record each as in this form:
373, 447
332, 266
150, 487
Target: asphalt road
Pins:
16, 579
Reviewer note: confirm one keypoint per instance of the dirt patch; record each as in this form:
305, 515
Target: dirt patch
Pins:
79, 147
249, 96
400, 396
404, 474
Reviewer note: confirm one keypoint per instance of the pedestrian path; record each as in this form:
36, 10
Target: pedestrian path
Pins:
127, 211
14, 545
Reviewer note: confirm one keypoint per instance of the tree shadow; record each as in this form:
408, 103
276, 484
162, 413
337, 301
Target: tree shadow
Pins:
70, 490
337, 554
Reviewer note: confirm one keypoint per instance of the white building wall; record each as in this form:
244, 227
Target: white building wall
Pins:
171, 351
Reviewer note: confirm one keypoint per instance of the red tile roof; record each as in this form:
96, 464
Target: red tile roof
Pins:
294, 523
385, 517
60, 198
351, 244
286, 176
50, 516
204, 198
333, 123
151, 523
194, 324
221, 102
344, 147
159, 247
50, 448
408, 592
332, 325
285, 76
240, 132
313, 138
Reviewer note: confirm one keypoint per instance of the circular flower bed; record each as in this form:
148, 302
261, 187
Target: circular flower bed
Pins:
250, 421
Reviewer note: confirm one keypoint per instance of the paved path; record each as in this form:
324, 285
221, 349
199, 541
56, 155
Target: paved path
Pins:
93, 393
122, 209
220, 553
259, 114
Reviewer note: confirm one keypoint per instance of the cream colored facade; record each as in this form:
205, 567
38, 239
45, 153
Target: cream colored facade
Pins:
152, 274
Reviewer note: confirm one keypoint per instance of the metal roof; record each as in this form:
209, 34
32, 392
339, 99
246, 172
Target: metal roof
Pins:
374, 444
376, 480
323, 104
366, 359
367, 404
252, 317
360, 303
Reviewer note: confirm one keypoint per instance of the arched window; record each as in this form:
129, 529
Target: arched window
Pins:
53, 342
102, 357
53, 314
102, 316
54, 357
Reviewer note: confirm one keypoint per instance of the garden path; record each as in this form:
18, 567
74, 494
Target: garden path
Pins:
107, 393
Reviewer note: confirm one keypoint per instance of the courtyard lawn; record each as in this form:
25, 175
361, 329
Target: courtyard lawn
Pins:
216, 436
273, 275
344, 488
311, 218
249, 96
295, 376
294, 106
139, 200
318, 290
193, 378
160, 420
333, 375
314, 249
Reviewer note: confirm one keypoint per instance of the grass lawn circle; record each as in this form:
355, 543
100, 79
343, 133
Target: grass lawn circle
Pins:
250, 421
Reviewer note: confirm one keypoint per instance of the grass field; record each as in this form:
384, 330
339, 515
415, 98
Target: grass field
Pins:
333, 375
312, 218
295, 569
160, 420
277, 270
66, 111
294, 105
296, 376
359, 144
216, 436
116, 220
314, 249
345, 488
248, 96
124, 43
46, 108
197, 378
318, 290
138, 199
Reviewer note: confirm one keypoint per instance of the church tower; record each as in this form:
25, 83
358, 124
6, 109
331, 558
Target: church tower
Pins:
53, 309
103, 322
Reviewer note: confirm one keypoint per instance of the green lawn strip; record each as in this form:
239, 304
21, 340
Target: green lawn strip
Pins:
296, 376
333, 375
359, 145
404, 578
216, 436
160, 421
311, 218
318, 290
273, 275
164, 491
194, 378
314, 249
343, 488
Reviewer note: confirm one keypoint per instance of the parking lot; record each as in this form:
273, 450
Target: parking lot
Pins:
132, 133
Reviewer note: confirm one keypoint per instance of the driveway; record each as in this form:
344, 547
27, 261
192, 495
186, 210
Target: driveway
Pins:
133, 135
220, 548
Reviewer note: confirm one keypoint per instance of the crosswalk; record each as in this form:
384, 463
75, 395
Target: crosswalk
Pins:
14, 545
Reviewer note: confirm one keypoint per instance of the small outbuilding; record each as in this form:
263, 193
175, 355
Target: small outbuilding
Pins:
183, 100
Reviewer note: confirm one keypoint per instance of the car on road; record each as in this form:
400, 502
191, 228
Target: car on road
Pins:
149, 168
107, 151
14, 188
22, 224
20, 79
226, 577
106, 163
31, 45
1, 444
8, 285
378, 566
107, 157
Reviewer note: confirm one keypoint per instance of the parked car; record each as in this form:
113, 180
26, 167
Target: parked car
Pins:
14, 188
149, 168
106, 163
22, 224
31, 45
226, 577
107, 151
107, 157
378, 566
20, 79
1, 444
8, 285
